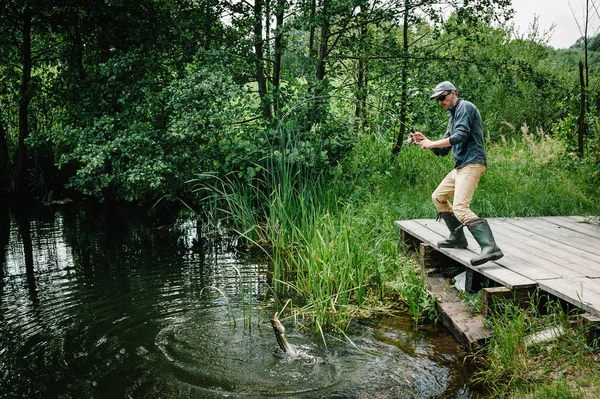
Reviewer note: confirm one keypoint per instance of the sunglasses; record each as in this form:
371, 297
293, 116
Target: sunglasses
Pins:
442, 97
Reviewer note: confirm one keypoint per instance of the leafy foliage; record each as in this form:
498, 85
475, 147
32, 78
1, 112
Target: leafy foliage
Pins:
153, 149
128, 101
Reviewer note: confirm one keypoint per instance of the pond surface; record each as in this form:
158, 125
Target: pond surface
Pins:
107, 304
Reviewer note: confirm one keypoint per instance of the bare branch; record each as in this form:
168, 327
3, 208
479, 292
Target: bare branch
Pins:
575, 18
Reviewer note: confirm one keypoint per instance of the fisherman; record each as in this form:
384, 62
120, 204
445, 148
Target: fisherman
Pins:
464, 136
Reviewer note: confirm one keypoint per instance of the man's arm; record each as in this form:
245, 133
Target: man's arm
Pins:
439, 147
428, 144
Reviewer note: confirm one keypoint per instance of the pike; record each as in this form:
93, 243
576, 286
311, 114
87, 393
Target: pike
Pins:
279, 330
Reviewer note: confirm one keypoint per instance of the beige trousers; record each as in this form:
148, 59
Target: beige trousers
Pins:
459, 184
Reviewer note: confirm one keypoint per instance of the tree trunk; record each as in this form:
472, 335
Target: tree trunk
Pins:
24, 99
278, 50
267, 25
585, 42
318, 112
261, 78
312, 52
582, 106
323, 47
361, 80
3, 157
404, 96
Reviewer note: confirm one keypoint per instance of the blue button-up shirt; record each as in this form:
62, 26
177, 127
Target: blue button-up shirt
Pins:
465, 130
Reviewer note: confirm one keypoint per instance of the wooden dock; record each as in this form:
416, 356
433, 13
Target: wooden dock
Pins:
558, 255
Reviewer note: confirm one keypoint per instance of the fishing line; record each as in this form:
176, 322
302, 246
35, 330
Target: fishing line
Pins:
298, 104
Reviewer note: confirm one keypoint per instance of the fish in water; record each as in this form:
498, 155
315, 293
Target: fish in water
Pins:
279, 330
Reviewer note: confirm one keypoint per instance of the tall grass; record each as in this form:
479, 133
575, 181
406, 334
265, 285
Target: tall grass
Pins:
296, 216
330, 233
335, 270
524, 177
527, 177
564, 367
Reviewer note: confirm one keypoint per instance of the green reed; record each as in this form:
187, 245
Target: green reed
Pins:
315, 247
333, 270
330, 232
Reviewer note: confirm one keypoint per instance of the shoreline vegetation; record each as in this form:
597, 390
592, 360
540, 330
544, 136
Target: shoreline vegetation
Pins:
336, 252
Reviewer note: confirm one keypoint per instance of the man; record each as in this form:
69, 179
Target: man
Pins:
464, 136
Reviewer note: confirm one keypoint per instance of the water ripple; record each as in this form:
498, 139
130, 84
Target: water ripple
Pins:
92, 312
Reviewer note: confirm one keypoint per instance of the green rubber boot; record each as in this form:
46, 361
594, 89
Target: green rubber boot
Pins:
457, 237
483, 234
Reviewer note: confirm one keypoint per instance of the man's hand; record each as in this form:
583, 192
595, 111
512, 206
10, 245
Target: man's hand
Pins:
418, 136
423, 141
426, 144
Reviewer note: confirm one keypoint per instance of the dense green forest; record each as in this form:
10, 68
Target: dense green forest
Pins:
131, 100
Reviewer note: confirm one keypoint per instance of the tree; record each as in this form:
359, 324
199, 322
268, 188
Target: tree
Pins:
466, 14
278, 52
261, 78
584, 69
3, 156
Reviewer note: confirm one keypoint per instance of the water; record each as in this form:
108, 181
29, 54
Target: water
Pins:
103, 304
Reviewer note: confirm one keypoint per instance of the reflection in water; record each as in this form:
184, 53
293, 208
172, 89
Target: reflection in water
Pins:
106, 304
4, 238
25, 232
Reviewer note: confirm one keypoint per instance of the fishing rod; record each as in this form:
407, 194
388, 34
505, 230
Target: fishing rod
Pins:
298, 104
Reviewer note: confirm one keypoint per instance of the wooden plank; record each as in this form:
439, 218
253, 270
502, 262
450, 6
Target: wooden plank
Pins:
515, 259
559, 253
512, 263
581, 292
561, 235
575, 223
562, 232
442, 232
468, 328
583, 262
591, 319
571, 225
548, 261
429, 231
414, 228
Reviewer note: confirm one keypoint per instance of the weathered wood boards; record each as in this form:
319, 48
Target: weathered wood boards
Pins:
468, 328
560, 255
430, 232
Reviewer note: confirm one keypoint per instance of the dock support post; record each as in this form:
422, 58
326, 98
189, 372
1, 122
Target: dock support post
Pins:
409, 240
591, 323
473, 281
430, 257
492, 297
